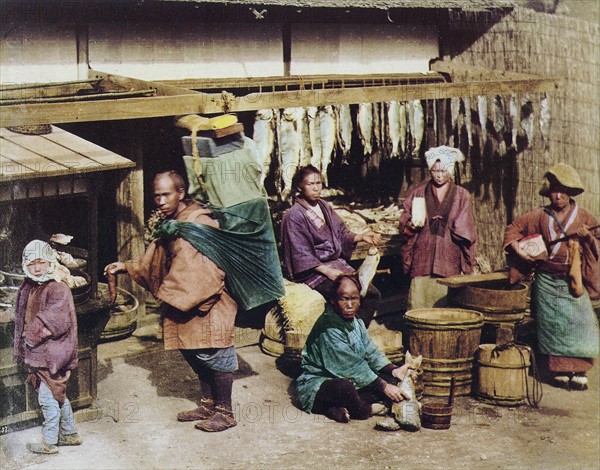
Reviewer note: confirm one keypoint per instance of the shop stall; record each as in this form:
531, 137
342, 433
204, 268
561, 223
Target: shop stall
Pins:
49, 184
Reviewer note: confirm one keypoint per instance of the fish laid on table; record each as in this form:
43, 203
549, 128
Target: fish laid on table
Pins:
344, 129
304, 133
327, 128
314, 129
545, 119
482, 111
364, 120
368, 269
393, 121
289, 147
264, 136
417, 125
354, 222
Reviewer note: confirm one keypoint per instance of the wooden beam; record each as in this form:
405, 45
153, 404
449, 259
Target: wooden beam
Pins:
307, 81
111, 82
377, 94
214, 103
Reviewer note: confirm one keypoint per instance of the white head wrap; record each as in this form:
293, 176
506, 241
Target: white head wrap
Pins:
447, 156
37, 249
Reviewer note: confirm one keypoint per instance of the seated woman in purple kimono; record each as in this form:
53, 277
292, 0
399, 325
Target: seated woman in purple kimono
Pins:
316, 243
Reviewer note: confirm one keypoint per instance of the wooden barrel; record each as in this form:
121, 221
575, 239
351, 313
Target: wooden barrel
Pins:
447, 338
502, 374
502, 305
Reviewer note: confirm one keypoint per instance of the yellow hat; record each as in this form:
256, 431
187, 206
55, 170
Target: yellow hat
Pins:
566, 176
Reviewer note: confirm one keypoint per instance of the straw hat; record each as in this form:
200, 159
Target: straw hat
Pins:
566, 176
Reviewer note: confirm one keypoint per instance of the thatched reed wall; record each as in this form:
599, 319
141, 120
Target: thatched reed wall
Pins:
546, 45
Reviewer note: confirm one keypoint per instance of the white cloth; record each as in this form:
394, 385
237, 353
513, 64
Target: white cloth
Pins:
37, 249
447, 156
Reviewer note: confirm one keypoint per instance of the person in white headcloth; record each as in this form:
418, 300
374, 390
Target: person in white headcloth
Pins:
439, 231
45, 340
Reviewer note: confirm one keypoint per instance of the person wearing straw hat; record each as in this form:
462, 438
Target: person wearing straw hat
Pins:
565, 279
440, 233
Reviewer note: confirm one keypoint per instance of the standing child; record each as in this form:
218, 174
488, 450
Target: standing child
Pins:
46, 341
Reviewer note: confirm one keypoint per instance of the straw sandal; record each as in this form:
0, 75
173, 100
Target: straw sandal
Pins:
42, 448
221, 420
579, 382
204, 411
69, 440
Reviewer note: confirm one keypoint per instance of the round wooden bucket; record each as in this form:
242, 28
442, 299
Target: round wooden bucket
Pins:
123, 315
447, 338
436, 415
502, 305
502, 374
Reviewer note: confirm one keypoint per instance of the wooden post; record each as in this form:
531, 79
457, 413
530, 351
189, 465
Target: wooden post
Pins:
130, 208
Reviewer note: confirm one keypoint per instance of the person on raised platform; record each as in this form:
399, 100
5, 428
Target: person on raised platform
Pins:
317, 244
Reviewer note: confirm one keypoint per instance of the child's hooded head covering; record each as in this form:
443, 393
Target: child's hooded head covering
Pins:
37, 249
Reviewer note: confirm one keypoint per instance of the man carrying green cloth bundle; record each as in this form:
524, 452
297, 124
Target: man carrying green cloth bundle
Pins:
198, 307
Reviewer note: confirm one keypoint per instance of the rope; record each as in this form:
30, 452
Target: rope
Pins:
534, 396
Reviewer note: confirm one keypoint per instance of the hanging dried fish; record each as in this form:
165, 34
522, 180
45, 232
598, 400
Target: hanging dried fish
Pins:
264, 136
417, 125
527, 122
403, 126
454, 111
482, 110
289, 147
365, 126
393, 119
514, 120
376, 126
545, 120
498, 115
344, 129
304, 133
327, 129
315, 136
468, 120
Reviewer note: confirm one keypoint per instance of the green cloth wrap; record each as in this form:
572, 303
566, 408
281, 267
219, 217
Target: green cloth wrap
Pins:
244, 247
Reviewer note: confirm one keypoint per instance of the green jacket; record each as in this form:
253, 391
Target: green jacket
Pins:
337, 349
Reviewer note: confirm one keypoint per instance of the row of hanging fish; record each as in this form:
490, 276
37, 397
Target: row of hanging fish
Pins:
499, 116
318, 135
315, 135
